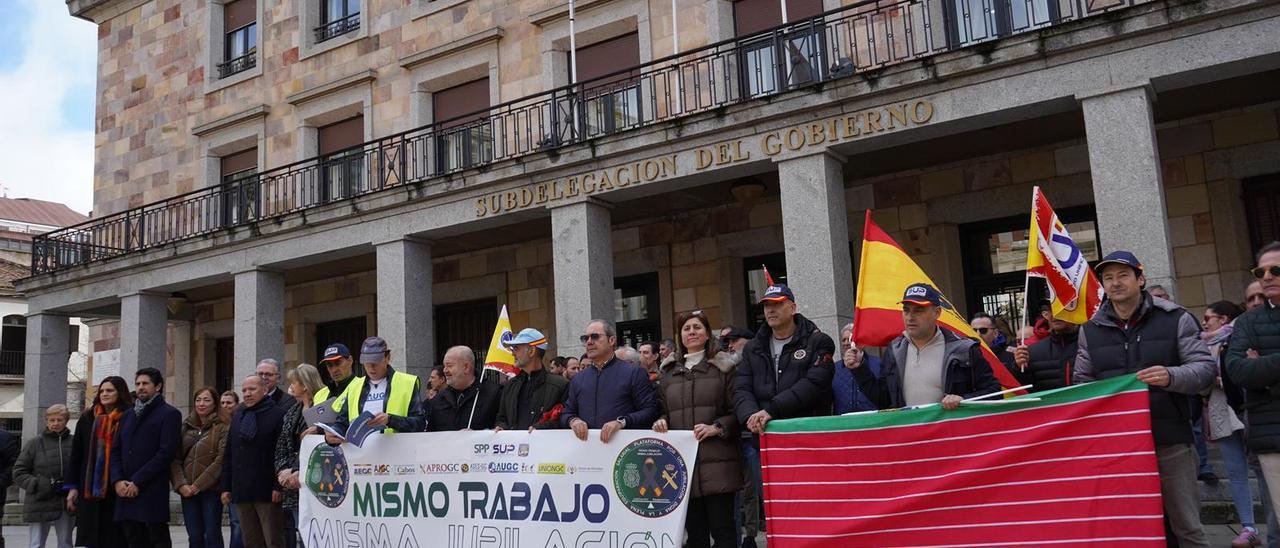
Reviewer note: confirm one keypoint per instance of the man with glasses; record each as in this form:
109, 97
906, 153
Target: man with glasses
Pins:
610, 394
985, 325
1253, 363
1133, 332
269, 371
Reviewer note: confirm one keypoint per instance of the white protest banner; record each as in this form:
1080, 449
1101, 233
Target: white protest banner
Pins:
511, 489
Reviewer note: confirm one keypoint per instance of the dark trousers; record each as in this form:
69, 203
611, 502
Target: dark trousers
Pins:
711, 519
290, 516
203, 517
146, 535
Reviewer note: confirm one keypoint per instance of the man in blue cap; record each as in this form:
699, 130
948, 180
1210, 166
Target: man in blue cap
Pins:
1133, 332
337, 361
927, 364
533, 399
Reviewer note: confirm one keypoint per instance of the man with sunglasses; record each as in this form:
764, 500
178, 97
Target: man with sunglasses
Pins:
1133, 332
1253, 363
610, 394
985, 325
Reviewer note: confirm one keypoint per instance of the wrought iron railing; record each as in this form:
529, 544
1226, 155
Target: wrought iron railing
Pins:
855, 39
337, 27
239, 64
13, 363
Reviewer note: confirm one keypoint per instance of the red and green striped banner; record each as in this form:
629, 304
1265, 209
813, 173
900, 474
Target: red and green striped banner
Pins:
1076, 467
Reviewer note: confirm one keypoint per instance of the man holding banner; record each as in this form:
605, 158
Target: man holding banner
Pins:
533, 399
927, 364
1159, 340
610, 394
467, 402
394, 398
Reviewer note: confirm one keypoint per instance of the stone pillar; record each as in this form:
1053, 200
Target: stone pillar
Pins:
582, 262
259, 320
144, 319
45, 376
1128, 189
405, 314
815, 233
178, 381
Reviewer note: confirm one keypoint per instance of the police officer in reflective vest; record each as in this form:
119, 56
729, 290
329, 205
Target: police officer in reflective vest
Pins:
337, 360
394, 398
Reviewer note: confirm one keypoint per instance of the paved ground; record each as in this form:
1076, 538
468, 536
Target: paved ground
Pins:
1219, 535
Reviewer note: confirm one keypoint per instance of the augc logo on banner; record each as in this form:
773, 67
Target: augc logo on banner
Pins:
650, 477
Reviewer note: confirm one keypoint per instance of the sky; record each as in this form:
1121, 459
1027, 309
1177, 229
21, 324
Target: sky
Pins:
48, 65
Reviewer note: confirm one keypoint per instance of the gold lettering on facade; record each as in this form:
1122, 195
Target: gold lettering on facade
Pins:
873, 121
771, 147
921, 112
897, 115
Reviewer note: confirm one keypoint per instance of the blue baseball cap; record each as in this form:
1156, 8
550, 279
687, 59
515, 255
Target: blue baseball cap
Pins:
921, 294
335, 351
777, 294
1119, 257
529, 336
373, 349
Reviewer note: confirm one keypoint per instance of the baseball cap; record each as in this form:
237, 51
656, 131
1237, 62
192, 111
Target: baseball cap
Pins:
373, 349
529, 336
921, 294
1119, 257
335, 351
778, 293
739, 333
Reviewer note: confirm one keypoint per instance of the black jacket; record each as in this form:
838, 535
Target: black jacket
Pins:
1159, 333
800, 386
966, 372
543, 393
1049, 363
451, 410
1258, 329
248, 468
9, 448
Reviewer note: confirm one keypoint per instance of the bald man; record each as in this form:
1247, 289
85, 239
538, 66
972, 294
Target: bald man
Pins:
466, 402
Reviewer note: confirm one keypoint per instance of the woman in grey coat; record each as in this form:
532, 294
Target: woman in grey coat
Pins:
39, 472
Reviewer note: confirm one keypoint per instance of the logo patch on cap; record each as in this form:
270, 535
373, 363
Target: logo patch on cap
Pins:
917, 291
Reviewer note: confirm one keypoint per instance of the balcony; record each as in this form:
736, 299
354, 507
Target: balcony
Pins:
838, 44
337, 27
12, 363
239, 64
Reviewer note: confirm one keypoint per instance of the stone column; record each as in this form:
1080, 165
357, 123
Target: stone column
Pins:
179, 380
815, 233
582, 262
144, 318
405, 314
1127, 186
45, 376
259, 320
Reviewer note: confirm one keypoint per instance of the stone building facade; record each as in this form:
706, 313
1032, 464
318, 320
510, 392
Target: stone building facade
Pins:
408, 169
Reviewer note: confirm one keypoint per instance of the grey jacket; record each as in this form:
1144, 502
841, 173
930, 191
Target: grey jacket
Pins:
39, 472
1198, 370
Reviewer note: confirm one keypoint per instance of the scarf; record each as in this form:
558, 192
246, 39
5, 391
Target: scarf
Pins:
139, 405
96, 481
247, 429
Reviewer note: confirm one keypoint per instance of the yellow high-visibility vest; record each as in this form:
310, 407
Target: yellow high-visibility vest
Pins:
398, 398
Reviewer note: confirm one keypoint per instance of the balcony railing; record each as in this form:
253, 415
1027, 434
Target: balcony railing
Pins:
837, 44
239, 64
337, 27
13, 363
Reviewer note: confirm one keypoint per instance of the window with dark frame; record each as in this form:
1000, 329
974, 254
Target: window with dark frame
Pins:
341, 160
613, 103
462, 141
239, 201
637, 311
13, 345
1262, 209
337, 17
794, 58
468, 323
240, 46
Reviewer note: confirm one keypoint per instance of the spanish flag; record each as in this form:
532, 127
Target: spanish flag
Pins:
884, 273
499, 358
1054, 256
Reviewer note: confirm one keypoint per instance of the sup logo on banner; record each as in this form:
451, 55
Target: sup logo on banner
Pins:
650, 477
327, 475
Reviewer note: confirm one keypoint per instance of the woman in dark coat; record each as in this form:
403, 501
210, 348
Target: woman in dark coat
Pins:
304, 382
90, 494
696, 392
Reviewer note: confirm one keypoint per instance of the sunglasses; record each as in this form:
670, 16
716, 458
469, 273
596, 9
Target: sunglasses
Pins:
982, 330
1261, 271
591, 337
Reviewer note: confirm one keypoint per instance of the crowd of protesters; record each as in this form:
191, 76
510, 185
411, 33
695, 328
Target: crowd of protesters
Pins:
1211, 381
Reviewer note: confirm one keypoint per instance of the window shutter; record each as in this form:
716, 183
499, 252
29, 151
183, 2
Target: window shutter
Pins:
238, 13
460, 100
341, 136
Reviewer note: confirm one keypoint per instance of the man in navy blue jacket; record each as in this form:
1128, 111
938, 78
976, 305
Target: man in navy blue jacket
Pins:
146, 444
610, 394
845, 395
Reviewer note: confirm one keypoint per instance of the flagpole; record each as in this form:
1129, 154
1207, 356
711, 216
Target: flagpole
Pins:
479, 381
1026, 275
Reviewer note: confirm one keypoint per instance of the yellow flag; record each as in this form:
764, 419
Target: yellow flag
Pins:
499, 358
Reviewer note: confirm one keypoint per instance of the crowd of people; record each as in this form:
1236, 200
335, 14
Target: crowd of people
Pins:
1210, 381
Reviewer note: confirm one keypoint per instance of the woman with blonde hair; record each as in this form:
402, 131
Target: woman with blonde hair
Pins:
304, 382
195, 475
